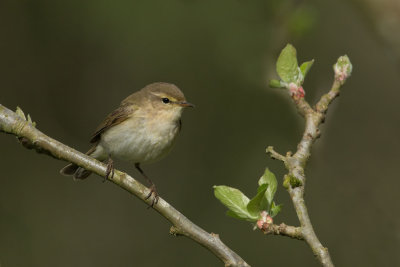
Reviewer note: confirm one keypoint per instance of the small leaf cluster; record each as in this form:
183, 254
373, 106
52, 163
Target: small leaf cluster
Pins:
243, 208
288, 70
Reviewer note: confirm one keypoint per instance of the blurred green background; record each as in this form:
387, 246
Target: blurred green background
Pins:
69, 63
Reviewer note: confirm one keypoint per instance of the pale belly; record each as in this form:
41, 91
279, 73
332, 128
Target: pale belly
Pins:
139, 144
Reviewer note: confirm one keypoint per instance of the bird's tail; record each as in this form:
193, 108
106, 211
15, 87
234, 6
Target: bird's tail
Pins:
76, 171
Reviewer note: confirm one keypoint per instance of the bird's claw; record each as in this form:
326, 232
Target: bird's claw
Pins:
153, 191
110, 170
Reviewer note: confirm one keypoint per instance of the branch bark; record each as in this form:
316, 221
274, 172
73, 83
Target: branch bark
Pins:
284, 230
32, 138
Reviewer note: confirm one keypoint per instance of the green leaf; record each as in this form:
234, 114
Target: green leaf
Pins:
258, 203
234, 215
305, 67
275, 209
286, 66
235, 201
276, 84
269, 179
270, 192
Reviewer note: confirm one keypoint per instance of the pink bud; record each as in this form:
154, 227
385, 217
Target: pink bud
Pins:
264, 222
269, 220
260, 224
296, 91
293, 88
300, 92
264, 215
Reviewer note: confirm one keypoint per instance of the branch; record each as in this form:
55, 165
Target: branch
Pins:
283, 229
275, 155
32, 138
295, 180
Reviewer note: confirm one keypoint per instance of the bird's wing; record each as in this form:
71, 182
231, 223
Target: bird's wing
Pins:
116, 117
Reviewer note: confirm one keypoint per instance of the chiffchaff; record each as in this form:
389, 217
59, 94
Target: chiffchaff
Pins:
142, 129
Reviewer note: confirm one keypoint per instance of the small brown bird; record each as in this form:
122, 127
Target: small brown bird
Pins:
141, 130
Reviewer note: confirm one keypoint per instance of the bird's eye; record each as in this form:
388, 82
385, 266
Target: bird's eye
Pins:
165, 100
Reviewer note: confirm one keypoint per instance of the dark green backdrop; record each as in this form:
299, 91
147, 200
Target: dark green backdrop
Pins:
69, 63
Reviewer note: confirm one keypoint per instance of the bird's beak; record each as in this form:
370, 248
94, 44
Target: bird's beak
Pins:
184, 104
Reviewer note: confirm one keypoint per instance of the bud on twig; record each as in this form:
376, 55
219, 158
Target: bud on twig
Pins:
265, 221
342, 69
296, 91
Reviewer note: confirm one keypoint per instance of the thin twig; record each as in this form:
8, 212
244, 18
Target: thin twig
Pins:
285, 230
275, 155
32, 138
295, 164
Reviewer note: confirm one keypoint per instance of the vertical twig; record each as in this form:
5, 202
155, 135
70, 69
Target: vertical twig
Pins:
295, 180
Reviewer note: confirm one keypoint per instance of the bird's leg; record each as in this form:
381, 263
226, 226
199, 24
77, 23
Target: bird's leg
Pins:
153, 189
110, 169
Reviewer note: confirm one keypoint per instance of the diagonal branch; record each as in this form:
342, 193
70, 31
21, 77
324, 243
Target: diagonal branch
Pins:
32, 138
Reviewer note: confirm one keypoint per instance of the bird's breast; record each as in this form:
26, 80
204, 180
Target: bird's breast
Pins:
140, 140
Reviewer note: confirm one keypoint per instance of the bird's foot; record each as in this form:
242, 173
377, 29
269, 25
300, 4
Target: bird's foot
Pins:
153, 191
110, 170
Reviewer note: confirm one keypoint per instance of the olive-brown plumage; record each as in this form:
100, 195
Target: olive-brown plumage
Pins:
142, 129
